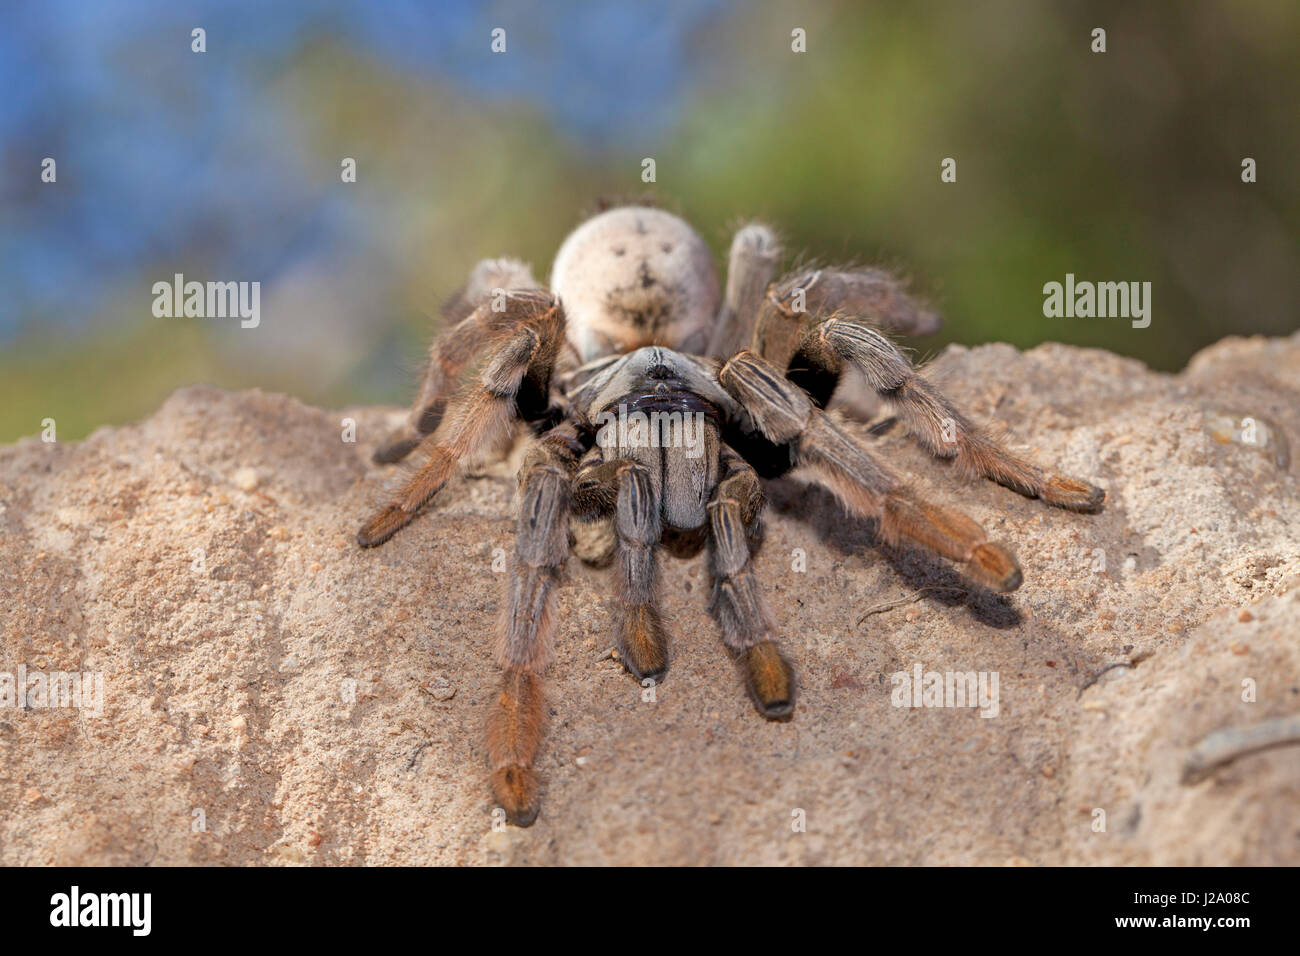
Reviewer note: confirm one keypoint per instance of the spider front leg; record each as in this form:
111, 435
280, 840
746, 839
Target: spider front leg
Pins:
525, 647
812, 439
824, 350
785, 309
618, 491
642, 640
515, 383
736, 601
470, 324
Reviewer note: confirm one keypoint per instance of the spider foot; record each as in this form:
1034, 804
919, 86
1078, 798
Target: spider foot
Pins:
1073, 494
383, 526
770, 680
642, 643
516, 790
993, 566
514, 732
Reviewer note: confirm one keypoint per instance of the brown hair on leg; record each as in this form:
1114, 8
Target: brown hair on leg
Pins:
784, 414
642, 639
484, 413
469, 325
932, 419
737, 602
525, 645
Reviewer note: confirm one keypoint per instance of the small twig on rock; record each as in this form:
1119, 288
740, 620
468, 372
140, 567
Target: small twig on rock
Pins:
416, 756
1134, 661
1224, 746
889, 606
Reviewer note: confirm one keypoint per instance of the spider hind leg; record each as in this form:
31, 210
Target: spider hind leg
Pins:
817, 442
826, 348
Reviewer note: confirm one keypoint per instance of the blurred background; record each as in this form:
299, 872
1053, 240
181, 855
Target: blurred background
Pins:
225, 165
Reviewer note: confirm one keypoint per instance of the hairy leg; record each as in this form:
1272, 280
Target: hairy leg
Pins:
816, 442
515, 380
826, 348
736, 601
469, 324
642, 640
595, 496
515, 722
819, 293
755, 254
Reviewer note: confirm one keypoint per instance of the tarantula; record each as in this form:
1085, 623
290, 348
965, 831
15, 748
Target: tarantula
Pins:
632, 324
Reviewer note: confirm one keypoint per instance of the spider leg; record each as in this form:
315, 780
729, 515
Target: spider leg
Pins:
525, 647
827, 347
515, 381
755, 253
618, 494
815, 441
469, 324
817, 293
595, 496
642, 640
736, 602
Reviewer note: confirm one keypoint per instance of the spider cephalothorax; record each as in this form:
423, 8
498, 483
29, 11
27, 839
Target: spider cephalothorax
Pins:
650, 429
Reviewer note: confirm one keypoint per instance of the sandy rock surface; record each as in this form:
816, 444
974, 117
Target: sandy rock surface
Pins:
274, 695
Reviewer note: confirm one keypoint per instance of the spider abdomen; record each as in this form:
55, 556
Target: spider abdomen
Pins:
634, 276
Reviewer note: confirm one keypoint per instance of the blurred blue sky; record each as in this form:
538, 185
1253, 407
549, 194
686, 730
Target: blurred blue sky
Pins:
165, 155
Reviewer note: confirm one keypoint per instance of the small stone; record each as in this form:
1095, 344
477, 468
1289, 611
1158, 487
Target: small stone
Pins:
245, 479
442, 690
1245, 616
33, 795
1240, 649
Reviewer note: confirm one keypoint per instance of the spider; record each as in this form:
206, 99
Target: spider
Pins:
633, 324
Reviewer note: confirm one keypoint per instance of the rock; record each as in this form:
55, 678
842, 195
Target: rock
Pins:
267, 682
245, 479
